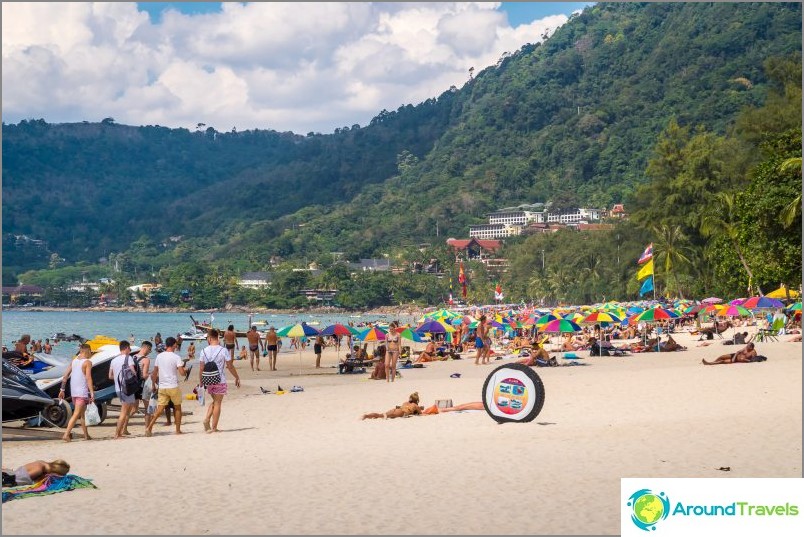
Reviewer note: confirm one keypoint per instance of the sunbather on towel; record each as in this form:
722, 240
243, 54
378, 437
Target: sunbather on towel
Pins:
428, 354
32, 472
411, 408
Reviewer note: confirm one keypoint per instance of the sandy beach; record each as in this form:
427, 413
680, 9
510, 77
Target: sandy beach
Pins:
306, 463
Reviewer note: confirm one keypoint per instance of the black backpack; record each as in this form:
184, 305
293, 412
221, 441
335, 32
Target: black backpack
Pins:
210, 373
129, 383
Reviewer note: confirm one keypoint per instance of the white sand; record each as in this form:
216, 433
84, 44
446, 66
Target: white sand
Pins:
305, 463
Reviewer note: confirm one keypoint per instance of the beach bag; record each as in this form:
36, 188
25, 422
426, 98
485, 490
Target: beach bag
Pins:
210, 375
92, 416
129, 383
201, 395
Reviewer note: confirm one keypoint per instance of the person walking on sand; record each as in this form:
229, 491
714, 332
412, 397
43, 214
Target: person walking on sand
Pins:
191, 351
82, 392
255, 345
318, 348
480, 339
143, 364
394, 348
166, 371
230, 340
217, 355
271, 344
127, 402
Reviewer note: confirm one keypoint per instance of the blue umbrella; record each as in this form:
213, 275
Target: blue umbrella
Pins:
432, 327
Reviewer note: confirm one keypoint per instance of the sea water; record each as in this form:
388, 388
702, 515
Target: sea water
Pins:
144, 326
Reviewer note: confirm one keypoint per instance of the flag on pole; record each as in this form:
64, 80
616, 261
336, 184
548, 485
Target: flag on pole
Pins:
646, 270
462, 280
647, 254
498, 294
647, 286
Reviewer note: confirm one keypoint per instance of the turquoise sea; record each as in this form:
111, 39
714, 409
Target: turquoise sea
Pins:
122, 325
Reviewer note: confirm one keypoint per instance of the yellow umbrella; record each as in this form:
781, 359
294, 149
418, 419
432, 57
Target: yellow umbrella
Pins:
781, 292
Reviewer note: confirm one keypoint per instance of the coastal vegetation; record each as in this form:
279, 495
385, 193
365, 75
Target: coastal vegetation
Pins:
690, 114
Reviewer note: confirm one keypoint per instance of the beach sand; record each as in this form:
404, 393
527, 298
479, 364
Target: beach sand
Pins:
306, 463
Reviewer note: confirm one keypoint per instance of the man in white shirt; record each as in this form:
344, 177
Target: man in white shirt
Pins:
128, 403
166, 371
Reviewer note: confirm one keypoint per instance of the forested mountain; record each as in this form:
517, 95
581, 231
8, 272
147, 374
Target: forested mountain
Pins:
575, 119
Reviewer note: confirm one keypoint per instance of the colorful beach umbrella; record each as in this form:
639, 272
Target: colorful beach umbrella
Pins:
375, 333
600, 317
338, 329
297, 330
795, 307
545, 319
762, 302
712, 300
561, 326
433, 327
655, 314
733, 311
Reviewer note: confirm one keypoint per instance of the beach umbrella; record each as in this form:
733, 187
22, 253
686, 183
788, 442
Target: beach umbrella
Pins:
544, 319
375, 333
795, 307
733, 311
600, 317
712, 300
409, 334
298, 330
738, 301
761, 302
338, 329
656, 314
561, 326
433, 327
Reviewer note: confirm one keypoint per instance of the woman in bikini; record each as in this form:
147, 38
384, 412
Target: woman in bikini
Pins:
411, 408
743, 356
393, 349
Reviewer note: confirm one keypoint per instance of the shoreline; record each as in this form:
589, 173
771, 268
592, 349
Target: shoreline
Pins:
383, 310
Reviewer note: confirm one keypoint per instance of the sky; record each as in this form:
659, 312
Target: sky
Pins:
301, 67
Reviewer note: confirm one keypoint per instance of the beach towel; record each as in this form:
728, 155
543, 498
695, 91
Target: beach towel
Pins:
50, 484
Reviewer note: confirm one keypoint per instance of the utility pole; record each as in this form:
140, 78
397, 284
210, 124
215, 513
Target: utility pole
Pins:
436, 228
618, 249
542, 260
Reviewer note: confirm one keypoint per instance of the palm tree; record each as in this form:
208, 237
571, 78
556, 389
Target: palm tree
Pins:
793, 209
671, 246
723, 221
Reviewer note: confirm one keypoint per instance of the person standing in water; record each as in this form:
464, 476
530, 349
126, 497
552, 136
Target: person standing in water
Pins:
82, 392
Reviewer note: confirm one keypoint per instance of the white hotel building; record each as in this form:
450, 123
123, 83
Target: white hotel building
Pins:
511, 221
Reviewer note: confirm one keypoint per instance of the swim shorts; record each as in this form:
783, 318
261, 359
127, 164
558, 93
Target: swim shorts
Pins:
217, 389
230, 346
478, 343
271, 347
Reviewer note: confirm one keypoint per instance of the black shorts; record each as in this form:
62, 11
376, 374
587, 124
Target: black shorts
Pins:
230, 346
138, 394
271, 347
317, 349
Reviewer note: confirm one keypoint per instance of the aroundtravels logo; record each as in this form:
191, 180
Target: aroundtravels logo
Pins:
648, 508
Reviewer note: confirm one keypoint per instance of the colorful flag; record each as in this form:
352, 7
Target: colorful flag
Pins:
647, 286
645, 271
462, 280
498, 294
647, 254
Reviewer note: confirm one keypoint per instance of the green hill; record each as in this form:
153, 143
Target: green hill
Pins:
574, 118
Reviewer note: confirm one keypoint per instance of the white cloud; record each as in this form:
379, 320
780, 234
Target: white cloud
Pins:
285, 66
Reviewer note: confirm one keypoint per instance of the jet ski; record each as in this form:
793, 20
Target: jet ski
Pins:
104, 349
21, 397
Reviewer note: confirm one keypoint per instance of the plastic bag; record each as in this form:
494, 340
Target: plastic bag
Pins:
92, 416
202, 392
152, 404
147, 389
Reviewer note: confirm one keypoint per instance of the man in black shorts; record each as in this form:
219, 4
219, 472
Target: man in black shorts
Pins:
255, 345
272, 346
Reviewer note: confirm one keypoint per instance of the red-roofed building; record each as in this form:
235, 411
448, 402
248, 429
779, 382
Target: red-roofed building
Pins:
618, 211
482, 250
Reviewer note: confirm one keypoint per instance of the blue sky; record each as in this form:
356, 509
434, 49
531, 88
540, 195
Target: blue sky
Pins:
518, 12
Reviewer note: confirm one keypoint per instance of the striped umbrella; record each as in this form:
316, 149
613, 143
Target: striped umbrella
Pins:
544, 319
561, 326
338, 329
298, 330
656, 314
375, 333
433, 327
795, 307
601, 317
762, 302
733, 311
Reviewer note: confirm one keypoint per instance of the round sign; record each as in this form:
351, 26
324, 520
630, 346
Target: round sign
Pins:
513, 392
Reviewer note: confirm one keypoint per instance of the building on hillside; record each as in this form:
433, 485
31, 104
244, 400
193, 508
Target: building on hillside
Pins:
542, 228
255, 280
618, 211
494, 231
573, 216
146, 288
22, 290
319, 295
371, 265
474, 249
594, 227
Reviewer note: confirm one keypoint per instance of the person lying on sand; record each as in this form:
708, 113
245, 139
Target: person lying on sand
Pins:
411, 408
743, 356
670, 345
795, 338
477, 405
30, 473
427, 355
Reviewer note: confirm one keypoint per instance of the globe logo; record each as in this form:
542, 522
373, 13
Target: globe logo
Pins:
648, 508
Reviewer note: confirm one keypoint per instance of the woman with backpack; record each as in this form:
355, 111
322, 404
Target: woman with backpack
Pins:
213, 361
124, 373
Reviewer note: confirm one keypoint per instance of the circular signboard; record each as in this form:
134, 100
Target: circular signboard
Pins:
513, 392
